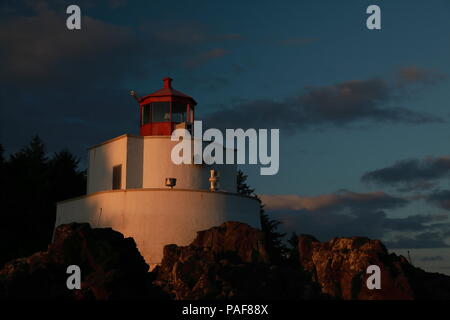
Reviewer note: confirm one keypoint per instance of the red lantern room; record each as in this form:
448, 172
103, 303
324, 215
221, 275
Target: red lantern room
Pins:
165, 110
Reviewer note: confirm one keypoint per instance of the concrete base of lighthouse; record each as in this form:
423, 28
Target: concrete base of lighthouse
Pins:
157, 217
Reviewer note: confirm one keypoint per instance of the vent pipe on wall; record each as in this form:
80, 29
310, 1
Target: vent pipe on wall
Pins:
213, 180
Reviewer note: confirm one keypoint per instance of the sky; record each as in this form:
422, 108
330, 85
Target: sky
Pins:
363, 114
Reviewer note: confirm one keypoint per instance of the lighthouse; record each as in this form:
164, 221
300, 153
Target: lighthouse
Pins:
134, 187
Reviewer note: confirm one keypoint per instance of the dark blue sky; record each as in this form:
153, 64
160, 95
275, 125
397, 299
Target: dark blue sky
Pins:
349, 102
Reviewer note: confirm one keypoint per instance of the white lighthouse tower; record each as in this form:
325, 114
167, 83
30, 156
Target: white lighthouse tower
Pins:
134, 187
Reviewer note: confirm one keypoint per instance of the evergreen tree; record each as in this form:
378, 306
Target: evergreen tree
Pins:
242, 186
273, 239
31, 185
293, 254
26, 199
67, 180
2, 175
2, 159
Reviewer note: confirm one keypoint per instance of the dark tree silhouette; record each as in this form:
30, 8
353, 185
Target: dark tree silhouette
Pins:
293, 254
2, 176
274, 240
31, 184
2, 159
63, 170
242, 186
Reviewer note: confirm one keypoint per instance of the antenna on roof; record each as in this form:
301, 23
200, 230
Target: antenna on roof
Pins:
409, 258
134, 95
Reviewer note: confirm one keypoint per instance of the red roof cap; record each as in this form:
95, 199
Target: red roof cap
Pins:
167, 83
167, 91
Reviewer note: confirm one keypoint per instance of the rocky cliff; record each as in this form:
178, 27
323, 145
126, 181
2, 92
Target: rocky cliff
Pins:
230, 262
225, 262
111, 268
339, 267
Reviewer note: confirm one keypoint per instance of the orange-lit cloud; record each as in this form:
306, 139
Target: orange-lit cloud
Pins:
342, 198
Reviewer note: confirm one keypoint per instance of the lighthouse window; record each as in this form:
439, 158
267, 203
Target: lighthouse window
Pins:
160, 111
146, 114
117, 177
178, 112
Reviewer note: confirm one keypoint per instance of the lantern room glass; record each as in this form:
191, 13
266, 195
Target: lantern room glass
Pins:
179, 112
160, 111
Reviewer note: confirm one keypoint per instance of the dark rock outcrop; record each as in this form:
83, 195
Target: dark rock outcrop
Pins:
225, 262
339, 267
235, 238
111, 268
229, 262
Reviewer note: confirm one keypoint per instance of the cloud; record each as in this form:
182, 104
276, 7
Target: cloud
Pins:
440, 198
413, 74
192, 34
211, 83
340, 104
204, 57
432, 258
354, 100
296, 41
419, 241
73, 85
343, 213
336, 201
37, 48
411, 174
40, 47
415, 222
347, 213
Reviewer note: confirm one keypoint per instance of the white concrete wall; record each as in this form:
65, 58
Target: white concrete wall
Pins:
102, 159
158, 166
157, 217
146, 163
